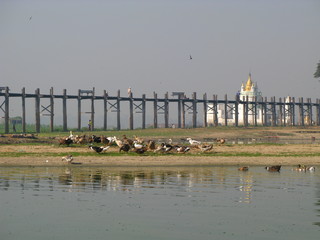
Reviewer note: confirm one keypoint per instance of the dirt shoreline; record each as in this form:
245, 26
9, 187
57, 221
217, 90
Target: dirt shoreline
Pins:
144, 161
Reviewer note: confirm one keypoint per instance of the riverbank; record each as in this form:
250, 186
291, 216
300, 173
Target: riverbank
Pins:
44, 150
235, 154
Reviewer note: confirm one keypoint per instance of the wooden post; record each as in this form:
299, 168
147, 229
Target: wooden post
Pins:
274, 117
280, 112
179, 110
265, 111
130, 111
285, 104
226, 110
301, 113
51, 110
310, 112
183, 114
205, 109
293, 111
255, 112
236, 111
118, 111
79, 110
155, 110
64, 110
143, 111
317, 112
92, 109
37, 110
166, 111
245, 110
105, 110
6, 109
23, 95
215, 110
194, 113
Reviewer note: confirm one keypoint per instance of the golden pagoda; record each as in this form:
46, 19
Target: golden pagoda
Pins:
248, 84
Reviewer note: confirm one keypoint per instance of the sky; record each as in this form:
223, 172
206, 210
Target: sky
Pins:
145, 44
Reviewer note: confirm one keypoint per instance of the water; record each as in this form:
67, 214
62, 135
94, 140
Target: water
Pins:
158, 203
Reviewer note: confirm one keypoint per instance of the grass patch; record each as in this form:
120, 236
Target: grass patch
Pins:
133, 154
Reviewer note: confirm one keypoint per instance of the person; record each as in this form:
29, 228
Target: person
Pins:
90, 125
14, 126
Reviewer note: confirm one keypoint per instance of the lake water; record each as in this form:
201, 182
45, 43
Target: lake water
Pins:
158, 203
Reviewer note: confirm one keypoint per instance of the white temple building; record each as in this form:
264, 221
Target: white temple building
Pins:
249, 90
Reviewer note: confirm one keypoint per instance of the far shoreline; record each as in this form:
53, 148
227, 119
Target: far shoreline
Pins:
159, 161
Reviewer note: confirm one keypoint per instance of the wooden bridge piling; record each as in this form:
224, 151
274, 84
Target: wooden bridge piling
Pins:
274, 113
23, 101
105, 110
64, 110
37, 109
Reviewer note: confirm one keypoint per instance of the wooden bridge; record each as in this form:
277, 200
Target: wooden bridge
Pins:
275, 113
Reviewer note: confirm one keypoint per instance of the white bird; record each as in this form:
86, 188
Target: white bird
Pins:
68, 159
193, 142
311, 169
118, 141
137, 145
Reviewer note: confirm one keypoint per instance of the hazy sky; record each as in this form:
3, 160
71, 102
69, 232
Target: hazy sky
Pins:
145, 44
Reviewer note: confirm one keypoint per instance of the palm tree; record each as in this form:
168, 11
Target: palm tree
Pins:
317, 73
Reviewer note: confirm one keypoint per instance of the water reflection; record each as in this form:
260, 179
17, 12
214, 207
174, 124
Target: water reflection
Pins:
159, 203
134, 179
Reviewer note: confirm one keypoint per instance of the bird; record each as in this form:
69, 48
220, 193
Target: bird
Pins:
118, 141
65, 141
311, 169
137, 145
303, 168
125, 148
126, 140
193, 142
99, 149
129, 91
138, 140
140, 150
68, 158
205, 147
221, 141
190, 57
151, 145
243, 168
275, 168
30, 18
182, 149
164, 147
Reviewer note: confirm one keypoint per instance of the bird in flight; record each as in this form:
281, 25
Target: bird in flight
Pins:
190, 57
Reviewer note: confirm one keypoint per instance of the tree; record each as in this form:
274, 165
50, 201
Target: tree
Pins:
317, 73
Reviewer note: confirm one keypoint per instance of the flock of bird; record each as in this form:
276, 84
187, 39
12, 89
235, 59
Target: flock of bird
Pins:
136, 144
141, 146
277, 168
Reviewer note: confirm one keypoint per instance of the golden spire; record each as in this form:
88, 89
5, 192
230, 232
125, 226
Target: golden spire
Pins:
249, 83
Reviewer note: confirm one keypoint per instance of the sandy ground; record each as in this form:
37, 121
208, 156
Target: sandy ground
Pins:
277, 154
